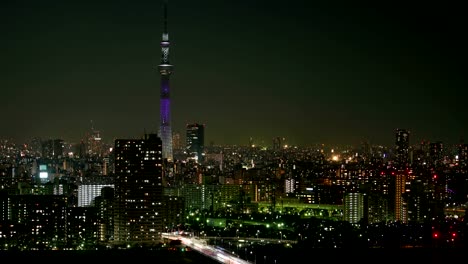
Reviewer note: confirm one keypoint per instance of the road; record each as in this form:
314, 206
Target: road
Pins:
200, 245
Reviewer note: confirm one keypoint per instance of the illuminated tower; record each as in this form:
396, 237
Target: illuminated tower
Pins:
165, 69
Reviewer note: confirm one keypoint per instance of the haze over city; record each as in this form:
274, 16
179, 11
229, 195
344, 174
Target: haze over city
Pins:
162, 130
309, 72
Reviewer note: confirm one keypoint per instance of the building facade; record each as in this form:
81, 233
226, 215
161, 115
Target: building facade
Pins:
138, 190
402, 148
195, 142
353, 207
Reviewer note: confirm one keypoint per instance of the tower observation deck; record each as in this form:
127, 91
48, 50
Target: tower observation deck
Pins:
165, 70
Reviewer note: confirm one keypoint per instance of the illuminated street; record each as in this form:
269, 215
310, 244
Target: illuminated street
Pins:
201, 246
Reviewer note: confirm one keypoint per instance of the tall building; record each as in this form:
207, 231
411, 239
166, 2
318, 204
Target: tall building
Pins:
165, 70
463, 156
353, 207
402, 148
52, 148
401, 203
138, 190
195, 141
93, 143
436, 153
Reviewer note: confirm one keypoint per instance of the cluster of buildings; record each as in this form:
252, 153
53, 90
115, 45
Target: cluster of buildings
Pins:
127, 193
56, 195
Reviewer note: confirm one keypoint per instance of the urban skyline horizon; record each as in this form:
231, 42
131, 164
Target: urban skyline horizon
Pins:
256, 141
313, 73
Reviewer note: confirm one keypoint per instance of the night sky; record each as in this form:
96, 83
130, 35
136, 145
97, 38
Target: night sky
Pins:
310, 71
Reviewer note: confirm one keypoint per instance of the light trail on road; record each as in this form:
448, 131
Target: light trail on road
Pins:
201, 246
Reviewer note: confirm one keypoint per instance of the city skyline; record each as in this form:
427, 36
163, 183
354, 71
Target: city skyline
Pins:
308, 72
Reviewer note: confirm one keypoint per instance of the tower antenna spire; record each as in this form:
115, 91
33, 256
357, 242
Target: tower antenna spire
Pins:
165, 16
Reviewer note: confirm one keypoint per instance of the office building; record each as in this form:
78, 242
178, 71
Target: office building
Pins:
195, 142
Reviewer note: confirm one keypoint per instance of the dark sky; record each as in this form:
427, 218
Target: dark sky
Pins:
310, 71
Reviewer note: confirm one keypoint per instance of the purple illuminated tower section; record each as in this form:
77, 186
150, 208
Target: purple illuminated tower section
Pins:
165, 70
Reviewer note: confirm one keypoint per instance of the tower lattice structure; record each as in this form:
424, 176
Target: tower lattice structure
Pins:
165, 70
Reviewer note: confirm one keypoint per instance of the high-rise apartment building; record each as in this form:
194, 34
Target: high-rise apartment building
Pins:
401, 203
402, 162
195, 141
138, 190
43, 219
353, 207
402, 148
